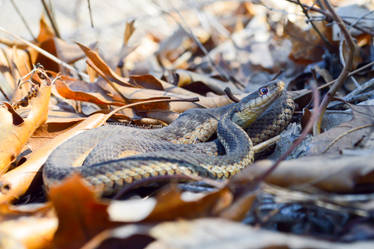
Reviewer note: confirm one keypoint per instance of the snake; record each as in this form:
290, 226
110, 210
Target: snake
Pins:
216, 143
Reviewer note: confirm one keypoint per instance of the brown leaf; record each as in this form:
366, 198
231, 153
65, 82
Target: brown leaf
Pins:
33, 232
15, 182
222, 234
81, 216
345, 135
93, 92
129, 236
14, 137
307, 45
14, 64
336, 173
129, 30
185, 78
45, 31
100, 64
147, 81
70, 88
171, 206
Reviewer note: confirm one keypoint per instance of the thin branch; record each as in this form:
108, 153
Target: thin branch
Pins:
324, 39
329, 16
90, 11
51, 19
344, 134
23, 19
189, 31
45, 53
230, 95
345, 71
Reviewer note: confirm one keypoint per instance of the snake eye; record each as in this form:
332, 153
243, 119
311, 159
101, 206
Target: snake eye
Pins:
263, 91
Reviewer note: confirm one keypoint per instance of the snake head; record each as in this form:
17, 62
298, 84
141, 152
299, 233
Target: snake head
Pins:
253, 105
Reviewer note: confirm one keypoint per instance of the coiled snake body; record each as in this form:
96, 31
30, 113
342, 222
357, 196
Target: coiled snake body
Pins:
179, 148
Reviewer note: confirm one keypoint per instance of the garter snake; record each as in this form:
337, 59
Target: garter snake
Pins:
179, 148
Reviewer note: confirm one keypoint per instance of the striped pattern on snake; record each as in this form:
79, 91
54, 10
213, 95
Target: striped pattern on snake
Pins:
179, 148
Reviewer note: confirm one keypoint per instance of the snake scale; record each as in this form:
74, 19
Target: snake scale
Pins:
111, 156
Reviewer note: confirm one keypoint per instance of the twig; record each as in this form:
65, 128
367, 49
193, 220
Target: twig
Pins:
230, 95
90, 11
329, 16
324, 39
266, 144
11, 43
51, 19
341, 57
277, 75
360, 96
4, 94
188, 30
350, 74
23, 19
45, 53
345, 71
194, 99
344, 134
111, 83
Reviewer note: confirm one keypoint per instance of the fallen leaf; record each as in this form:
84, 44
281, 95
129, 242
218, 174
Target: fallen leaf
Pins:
348, 132
334, 173
100, 64
32, 232
81, 216
129, 236
15, 182
171, 206
307, 45
80, 90
222, 234
14, 137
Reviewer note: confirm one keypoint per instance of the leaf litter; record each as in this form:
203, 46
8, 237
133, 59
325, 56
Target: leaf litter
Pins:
321, 196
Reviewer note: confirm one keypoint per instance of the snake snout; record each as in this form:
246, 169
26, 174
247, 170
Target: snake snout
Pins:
250, 107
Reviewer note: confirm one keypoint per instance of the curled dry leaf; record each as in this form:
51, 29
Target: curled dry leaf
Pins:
80, 90
81, 216
185, 78
14, 64
129, 236
104, 69
307, 45
222, 234
33, 232
345, 135
15, 182
169, 205
339, 174
14, 137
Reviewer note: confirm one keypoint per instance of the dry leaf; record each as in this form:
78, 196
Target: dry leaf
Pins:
103, 68
15, 182
307, 45
223, 234
70, 88
337, 173
33, 232
171, 206
81, 216
349, 132
14, 137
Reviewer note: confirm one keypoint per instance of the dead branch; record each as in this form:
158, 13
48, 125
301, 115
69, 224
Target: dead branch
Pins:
345, 71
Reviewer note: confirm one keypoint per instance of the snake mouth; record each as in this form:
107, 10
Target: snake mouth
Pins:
252, 106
